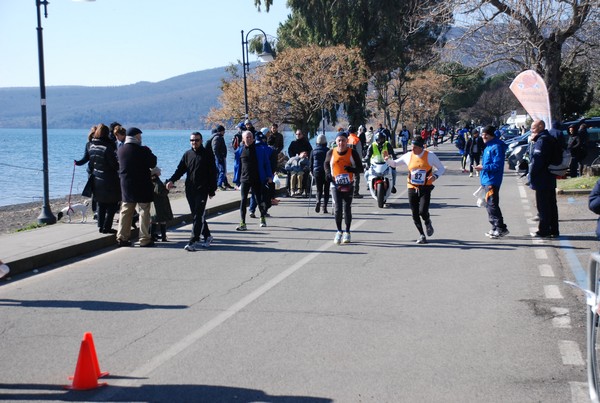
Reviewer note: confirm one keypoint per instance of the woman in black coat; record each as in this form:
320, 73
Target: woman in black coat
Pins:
105, 171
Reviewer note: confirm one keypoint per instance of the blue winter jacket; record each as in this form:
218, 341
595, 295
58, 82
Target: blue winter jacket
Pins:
493, 163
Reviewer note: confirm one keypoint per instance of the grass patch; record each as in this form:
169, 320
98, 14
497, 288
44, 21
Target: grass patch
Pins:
31, 226
582, 182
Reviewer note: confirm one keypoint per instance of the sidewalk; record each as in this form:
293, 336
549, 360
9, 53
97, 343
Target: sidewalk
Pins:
28, 250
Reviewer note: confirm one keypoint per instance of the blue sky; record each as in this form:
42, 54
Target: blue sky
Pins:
117, 42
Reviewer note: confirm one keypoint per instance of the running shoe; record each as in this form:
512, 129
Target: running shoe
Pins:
190, 247
499, 233
263, 222
338, 238
252, 215
429, 228
346, 237
422, 239
207, 241
241, 227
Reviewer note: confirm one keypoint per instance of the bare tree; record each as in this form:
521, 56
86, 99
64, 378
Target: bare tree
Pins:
548, 36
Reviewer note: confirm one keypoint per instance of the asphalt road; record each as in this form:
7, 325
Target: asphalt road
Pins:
281, 314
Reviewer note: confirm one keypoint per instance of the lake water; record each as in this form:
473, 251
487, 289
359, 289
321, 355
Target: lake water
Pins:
21, 178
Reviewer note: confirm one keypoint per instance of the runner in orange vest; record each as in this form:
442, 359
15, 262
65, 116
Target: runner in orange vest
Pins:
354, 143
424, 168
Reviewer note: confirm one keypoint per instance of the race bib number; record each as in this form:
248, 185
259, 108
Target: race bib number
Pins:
418, 176
342, 179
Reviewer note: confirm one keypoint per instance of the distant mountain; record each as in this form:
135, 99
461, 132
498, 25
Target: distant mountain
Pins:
180, 102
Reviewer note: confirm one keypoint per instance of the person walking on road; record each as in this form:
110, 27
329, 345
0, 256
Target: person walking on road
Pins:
316, 163
135, 162
473, 150
424, 168
491, 170
199, 167
254, 174
341, 165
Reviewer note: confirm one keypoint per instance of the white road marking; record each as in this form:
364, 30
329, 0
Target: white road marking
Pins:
176, 348
561, 319
552, 292
522, 192
546, 270
541, 254
579, 392
570, 353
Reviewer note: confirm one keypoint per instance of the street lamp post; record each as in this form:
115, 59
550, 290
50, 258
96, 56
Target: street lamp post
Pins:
46, 216
266, 55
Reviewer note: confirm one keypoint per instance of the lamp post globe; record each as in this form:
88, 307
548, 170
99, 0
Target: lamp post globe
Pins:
266, 55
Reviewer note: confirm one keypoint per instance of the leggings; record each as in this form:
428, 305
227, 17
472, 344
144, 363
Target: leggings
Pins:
419, 200
343, 207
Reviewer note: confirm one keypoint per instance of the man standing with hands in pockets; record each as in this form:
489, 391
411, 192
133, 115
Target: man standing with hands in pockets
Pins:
492, 170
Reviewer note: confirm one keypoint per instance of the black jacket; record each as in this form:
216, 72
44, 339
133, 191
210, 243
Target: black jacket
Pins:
105, 170
200, 170
135, 162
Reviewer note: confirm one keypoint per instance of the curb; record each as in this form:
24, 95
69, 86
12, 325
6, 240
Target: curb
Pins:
99, 242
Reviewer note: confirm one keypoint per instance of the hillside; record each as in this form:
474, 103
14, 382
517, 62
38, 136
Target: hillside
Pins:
180, 102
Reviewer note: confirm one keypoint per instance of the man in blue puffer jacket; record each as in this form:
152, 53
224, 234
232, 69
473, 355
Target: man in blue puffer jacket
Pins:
491, 173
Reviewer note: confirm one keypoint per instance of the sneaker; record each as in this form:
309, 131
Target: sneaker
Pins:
207, 241
429, 228
346, 237
422, 239
338, 238
358, 196
318, 207
499, 233
228, 186
241, 227
394, 189
252, 215
490, 233
190, 247
471, 175
222, 187
263, 222
121, 243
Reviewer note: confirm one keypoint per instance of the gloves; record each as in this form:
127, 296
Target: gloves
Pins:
350, 168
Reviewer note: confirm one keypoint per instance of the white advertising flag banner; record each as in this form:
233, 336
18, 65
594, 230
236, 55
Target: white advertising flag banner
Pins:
531, 91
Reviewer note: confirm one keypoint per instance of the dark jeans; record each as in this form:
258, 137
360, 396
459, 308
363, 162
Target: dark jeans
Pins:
548, 211
106, 215
197, 202
343, 207
322, 187
475, 159
257, 190
419, 200
492, 206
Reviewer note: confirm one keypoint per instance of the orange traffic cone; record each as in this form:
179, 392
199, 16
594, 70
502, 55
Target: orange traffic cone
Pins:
88, 336
86, 376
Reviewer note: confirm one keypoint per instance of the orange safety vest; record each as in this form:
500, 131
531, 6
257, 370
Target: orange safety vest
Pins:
419, 170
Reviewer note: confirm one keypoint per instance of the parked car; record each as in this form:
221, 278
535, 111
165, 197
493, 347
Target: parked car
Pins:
507, 134
593, 141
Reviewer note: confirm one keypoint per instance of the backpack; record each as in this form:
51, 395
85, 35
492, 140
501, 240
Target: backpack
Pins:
560, 158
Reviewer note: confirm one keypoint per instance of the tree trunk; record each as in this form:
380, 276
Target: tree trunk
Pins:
552, 60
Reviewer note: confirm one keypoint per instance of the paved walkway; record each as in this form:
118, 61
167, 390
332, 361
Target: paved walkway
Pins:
29, 250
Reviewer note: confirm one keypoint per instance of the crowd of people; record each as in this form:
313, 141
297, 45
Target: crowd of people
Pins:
125, 179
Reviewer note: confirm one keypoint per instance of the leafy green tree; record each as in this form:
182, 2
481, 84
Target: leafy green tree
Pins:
576, 94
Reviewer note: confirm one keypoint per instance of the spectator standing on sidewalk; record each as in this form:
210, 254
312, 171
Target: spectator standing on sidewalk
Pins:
543, 181
161, 207
198, 165
135, 162
342, 163
317, 162
424, 168
219, 149
355, 144
492, 171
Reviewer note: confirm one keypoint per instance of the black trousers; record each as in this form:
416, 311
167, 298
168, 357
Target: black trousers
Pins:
419, 200
548, 211
322, 187
197, 202
259, 193
492, 206
343, 207
106, 214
